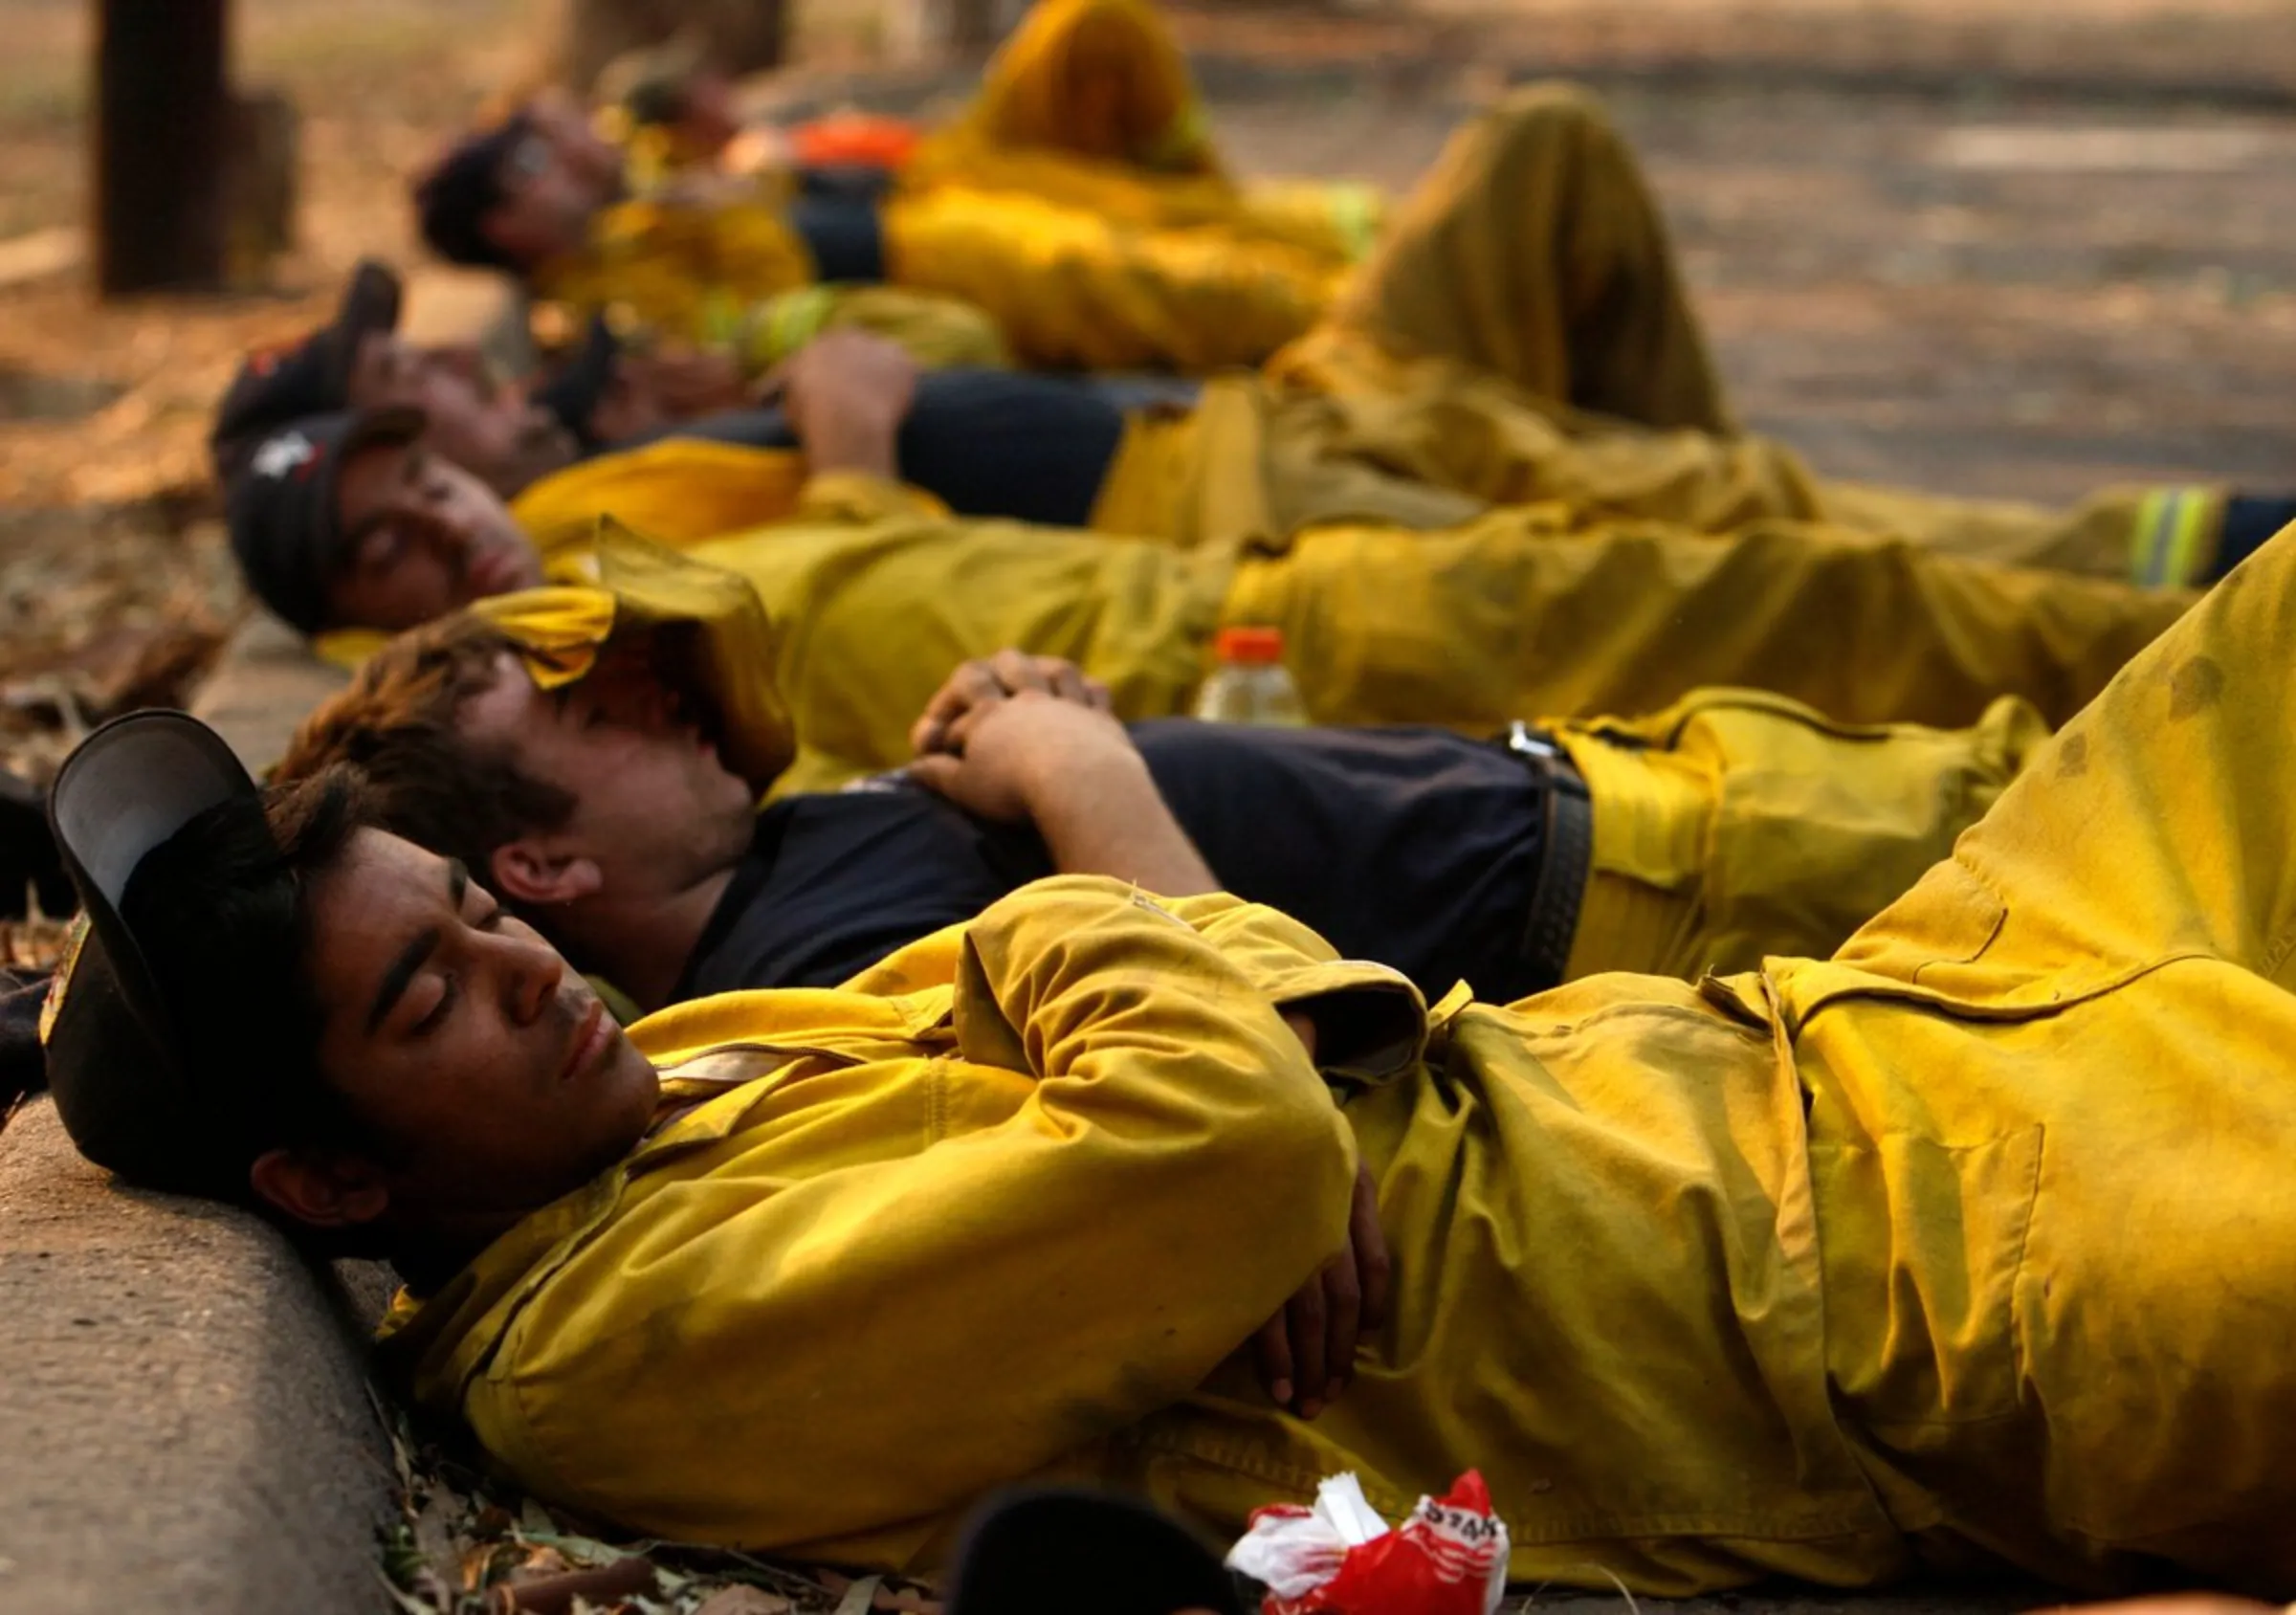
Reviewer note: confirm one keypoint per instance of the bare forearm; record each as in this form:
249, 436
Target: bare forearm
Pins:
869, 447
1109, 819
847, 393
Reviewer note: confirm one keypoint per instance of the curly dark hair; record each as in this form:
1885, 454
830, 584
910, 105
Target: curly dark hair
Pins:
398, 725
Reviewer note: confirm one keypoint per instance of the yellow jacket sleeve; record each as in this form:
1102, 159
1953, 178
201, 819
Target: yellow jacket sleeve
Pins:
831, 1309
688, 270
680, 491
936, 331
1370, 1021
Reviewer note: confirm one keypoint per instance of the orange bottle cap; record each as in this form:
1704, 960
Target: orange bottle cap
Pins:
859, 140
1252, 646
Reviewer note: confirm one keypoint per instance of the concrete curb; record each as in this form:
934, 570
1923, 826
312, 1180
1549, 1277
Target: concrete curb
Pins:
264, 683
188, 1426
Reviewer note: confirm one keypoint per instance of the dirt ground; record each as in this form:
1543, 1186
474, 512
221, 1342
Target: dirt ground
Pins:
1970, 243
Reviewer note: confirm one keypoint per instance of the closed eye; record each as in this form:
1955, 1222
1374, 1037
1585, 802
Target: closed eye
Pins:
381, 549
490, 921
431, 1022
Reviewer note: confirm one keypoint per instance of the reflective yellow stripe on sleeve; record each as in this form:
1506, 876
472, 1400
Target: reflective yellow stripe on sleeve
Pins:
1357, 213
2174, 536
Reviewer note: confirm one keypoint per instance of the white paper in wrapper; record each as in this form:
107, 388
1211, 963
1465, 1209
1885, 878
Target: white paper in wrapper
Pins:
1448, 1558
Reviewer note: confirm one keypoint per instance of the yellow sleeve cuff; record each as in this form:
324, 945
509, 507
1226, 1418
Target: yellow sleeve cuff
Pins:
1370, 1021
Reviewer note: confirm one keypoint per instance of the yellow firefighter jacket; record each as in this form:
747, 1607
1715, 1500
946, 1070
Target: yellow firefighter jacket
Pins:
876, 596
1010, 1210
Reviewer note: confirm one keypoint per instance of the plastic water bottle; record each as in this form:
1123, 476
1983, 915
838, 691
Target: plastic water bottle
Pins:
1249, 684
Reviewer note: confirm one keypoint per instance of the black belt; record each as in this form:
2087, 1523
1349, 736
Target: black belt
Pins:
1566, 854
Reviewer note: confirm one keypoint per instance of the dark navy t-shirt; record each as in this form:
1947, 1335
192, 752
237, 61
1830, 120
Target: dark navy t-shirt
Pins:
1414, 847
1417, 848
834, 882
1001, 443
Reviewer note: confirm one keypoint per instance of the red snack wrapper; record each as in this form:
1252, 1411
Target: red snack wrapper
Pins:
1448, 1558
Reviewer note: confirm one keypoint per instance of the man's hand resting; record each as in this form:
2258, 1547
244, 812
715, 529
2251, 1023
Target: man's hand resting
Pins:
1015, 736
1306, 1353
1012, 759
983, 683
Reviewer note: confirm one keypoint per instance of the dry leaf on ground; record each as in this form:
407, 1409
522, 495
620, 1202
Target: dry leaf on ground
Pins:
464, 1547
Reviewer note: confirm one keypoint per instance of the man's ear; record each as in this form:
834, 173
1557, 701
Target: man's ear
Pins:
534, 874
326, 1190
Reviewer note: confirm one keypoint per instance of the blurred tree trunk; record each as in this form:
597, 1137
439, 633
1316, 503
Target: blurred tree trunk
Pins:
262, 169
162, 115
